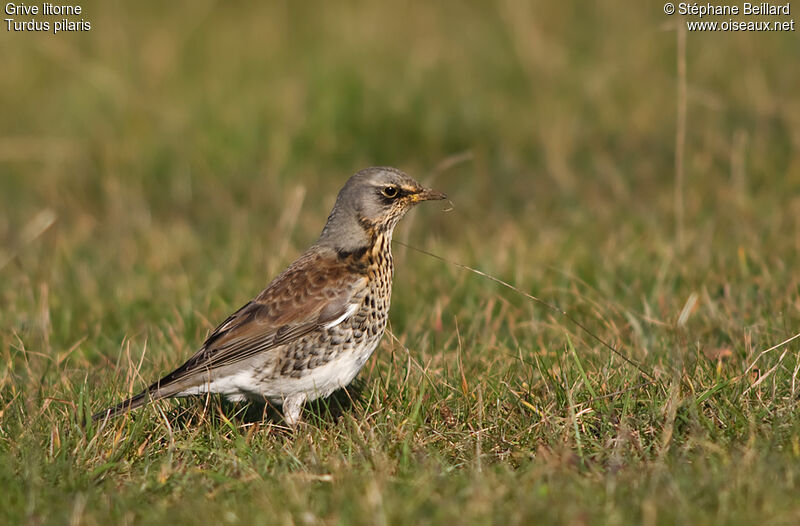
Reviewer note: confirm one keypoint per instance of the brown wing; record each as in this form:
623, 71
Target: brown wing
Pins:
315, 290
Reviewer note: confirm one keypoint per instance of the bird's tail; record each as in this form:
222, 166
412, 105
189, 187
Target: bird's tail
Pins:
123, 407
170, 385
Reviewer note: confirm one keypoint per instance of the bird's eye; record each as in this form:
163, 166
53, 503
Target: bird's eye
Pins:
390, 192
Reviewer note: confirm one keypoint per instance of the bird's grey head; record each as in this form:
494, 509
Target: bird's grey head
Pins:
373, 200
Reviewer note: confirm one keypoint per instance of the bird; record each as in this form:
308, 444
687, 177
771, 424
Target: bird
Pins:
312, 329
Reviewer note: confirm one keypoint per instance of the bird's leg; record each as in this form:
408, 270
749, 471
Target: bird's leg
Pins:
292, 407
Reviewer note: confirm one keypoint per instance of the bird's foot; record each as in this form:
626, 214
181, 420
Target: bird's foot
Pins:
292, 409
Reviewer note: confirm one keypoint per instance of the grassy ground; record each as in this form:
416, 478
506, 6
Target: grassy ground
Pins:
157, 171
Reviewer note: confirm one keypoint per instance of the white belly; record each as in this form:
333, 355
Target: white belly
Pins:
316, 383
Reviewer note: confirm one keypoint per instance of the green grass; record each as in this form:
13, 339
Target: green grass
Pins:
157, 171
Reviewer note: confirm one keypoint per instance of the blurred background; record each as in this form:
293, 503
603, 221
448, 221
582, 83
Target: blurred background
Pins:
163, 166
158, 170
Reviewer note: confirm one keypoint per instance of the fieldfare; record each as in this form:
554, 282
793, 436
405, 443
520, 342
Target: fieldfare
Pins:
316, 324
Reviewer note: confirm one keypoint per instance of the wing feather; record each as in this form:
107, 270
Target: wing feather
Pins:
314, 291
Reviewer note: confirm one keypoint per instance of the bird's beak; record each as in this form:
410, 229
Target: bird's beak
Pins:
428, 194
